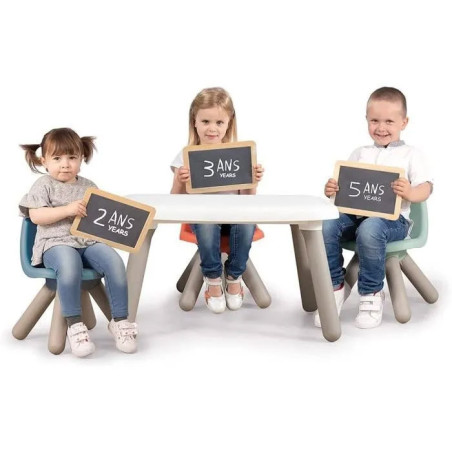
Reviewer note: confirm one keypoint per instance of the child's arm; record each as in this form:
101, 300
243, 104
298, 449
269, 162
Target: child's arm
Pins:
49, 215
181, 177
259, 170
403, 188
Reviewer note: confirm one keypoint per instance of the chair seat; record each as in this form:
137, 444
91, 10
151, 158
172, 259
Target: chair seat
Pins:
88, 274
391, 247
187, 235
27, 240
418, 234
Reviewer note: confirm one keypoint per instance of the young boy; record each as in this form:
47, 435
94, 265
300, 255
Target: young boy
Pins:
386, 118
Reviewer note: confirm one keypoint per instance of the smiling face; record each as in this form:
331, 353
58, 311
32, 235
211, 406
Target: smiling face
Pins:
385, 121
63, 168
211, 125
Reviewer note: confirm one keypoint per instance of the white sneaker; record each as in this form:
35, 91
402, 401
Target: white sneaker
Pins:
215, 304
340, 295
79, 340
125, 334
370, 310
234, 301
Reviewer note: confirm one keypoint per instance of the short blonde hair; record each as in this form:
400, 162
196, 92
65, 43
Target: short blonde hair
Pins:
209, 98
391, 95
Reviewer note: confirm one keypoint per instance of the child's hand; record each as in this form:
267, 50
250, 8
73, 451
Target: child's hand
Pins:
76, 208
402, 187
258, 172
331, 188
183, 174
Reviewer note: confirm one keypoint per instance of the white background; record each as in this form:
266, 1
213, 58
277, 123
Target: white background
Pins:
300, 74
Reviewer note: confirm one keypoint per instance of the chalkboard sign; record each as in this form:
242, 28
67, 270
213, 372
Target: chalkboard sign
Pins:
114, 220
365, 189
220, 167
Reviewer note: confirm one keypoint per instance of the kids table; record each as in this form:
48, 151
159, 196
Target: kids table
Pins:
303, 213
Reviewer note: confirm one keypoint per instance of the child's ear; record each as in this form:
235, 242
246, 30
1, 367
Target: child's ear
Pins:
43, 162
405, 122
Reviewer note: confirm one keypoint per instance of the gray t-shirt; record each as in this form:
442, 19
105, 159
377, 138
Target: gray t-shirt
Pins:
48, 192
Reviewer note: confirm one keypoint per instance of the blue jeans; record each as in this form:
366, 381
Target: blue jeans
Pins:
209, 239
371, 235
68, 262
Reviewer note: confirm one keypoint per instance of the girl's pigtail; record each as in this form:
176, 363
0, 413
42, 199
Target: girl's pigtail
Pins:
30, 156
88, 147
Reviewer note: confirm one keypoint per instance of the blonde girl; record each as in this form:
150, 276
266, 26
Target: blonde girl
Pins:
212, 120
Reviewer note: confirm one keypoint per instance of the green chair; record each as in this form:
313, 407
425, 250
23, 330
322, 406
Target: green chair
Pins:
398, 261
91, 284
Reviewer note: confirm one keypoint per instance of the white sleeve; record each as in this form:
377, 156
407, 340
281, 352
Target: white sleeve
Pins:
177, 162
354, 156
419, 169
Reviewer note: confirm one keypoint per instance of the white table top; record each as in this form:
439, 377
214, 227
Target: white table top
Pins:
234, 209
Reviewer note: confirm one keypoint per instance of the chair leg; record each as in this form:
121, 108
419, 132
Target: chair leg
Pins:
193, 286
180, 285
351, 274
418, 279
136, 267
58, 329
88, 316
256, 286
304, 271
397, 290
100, 297
33, 313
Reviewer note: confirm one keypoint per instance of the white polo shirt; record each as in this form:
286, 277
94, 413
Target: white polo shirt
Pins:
400, 155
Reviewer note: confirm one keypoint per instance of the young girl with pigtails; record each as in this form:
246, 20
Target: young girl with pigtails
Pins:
52, 203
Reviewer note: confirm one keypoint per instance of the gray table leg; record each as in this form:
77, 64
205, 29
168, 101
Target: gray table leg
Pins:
304, 271
321, 281
136, 266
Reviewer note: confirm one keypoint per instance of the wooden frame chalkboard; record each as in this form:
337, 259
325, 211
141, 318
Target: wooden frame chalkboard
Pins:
220, 167
365, 189
114, 220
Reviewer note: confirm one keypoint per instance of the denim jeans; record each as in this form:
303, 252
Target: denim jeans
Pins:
68, 262
371, 235
209, 239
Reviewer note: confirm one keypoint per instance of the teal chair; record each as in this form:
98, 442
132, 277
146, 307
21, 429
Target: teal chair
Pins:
92, 285
398, 261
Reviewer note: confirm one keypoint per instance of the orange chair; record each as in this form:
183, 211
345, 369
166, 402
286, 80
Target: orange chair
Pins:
191, 280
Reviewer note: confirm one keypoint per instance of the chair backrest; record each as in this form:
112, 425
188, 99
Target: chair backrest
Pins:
419, 216
27, 240
419, 232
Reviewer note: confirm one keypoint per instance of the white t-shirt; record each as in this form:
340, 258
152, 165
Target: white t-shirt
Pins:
400, 155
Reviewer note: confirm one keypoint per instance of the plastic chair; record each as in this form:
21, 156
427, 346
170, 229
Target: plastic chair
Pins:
191, 280
91, 283
398, 261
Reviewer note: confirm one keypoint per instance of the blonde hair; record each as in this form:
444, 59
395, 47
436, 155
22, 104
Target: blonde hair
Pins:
209, 98
391, 95
63, 141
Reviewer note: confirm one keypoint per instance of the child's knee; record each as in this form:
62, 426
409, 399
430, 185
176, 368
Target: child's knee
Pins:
371, 229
